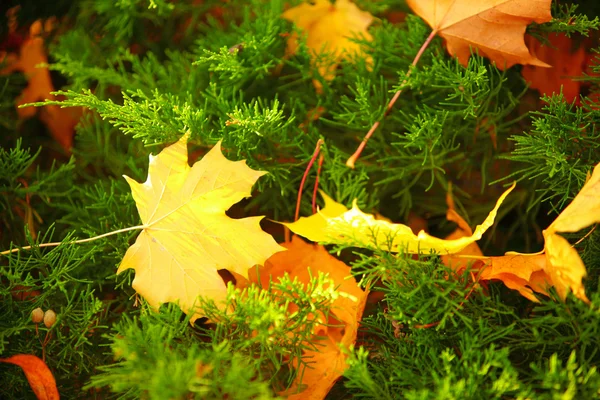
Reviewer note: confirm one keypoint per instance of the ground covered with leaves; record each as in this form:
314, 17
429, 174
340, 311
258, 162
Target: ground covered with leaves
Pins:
300, 199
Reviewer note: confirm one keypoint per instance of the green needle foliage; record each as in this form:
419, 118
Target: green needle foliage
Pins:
146, 71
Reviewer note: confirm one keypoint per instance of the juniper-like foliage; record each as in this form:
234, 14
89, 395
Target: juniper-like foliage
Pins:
146, 71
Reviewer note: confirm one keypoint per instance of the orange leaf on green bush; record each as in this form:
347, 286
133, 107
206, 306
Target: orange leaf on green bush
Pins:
186, 235
559, 265
515, 271
329, 29
521, 272
495, 28
38, 375
566, 63
327, 362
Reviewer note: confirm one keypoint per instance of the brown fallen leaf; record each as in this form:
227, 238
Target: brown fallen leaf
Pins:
496, 28
38, 374
328, 362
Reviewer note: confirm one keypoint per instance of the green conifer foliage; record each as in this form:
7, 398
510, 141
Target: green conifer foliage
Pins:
146, 71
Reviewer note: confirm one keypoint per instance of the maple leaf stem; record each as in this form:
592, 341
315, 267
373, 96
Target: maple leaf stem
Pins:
352, 160
308, 167
314, 198
54, 244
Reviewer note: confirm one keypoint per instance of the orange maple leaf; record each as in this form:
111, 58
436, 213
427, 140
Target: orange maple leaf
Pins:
558, 265
329, 29
31, 60
566, 63
495, 28
328, 362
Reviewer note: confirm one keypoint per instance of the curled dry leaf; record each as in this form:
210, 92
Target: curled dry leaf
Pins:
495, 28
38, 375
516, 271
329, 29
186, 235
336, 224
327, 362
559, 265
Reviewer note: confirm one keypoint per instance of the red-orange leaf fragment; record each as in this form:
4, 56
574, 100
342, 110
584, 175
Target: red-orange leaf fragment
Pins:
59, 121
328, 362
566, 64
38, 374
495, 28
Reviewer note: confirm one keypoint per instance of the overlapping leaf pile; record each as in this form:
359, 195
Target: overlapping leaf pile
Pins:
187, 239
559, 265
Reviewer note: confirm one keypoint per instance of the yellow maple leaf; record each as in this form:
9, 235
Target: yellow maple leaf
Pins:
336, 224
329, 29
565, 268
584, 210
187, 237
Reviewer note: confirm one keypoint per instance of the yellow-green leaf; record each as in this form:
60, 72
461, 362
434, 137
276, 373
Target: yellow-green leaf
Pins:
337, 225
